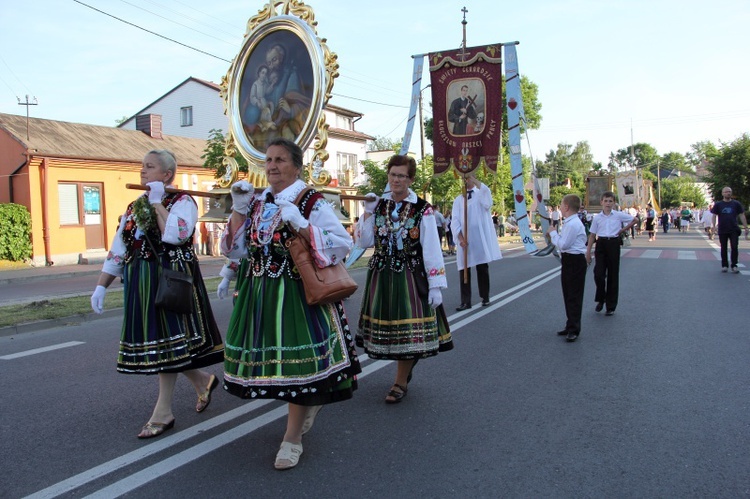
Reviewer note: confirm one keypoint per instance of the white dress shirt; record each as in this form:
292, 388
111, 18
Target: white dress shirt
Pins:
609, 225
571, 238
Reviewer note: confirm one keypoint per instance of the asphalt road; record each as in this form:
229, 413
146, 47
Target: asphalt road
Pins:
651, 402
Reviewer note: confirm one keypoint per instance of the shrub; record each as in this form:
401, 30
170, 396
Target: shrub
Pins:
15, 232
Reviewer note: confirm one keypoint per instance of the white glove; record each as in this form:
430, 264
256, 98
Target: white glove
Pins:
435, 297
97, 299
223, 290
242, 194
291, 215
155, 192
371, 201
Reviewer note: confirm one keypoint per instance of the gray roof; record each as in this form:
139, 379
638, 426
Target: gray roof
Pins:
78, 140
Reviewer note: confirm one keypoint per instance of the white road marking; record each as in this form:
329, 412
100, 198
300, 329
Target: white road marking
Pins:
188, 455
41, 350
686, 255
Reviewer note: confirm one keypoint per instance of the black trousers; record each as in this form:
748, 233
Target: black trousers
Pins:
483, 280
607, 271
573, 279
733, 238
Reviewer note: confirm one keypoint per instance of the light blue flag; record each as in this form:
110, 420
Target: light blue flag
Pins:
354, 254
415, 89
515, 110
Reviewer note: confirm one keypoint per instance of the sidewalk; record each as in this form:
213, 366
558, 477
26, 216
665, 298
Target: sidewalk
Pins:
210, 267
31, 274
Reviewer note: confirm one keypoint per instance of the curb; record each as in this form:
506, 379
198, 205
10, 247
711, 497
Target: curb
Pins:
31, 327
46, 277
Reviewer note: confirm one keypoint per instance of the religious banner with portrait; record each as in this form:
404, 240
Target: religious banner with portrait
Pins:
467, 108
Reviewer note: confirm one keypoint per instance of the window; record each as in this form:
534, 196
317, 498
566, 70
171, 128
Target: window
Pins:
70, 213
345, 168
344, 122
186, 116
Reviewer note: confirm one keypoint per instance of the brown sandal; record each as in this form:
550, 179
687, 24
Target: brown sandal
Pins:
396, 396
205, 398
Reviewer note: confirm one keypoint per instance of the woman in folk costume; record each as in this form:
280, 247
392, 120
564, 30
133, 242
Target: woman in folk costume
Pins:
154, 340
278, 346
402, 317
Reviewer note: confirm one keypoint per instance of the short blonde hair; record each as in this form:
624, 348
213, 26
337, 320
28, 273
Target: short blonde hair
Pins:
167, 160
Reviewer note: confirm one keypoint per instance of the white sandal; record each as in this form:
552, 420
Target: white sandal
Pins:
288, 456
310, 418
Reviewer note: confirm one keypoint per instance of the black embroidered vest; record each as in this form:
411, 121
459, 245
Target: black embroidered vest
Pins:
273, 259
139, 248
406, 229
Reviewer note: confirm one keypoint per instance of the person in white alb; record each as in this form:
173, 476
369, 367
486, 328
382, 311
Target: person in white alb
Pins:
605, 233
481, 246
571, 242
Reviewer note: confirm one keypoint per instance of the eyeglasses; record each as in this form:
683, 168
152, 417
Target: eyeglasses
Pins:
398, 176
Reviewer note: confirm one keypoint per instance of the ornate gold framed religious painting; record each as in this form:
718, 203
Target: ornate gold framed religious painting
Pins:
278, 83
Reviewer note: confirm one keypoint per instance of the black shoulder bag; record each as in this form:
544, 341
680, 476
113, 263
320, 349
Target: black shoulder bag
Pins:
174, 291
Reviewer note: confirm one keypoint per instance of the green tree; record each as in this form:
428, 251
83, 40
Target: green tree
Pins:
678, 190
701, 154
731, 167
384, 144
567, 162
644, 155
674, 161
213, 157
376, 177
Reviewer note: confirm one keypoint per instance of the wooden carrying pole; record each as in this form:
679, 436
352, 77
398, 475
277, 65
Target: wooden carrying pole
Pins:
464, 229
212, 194
205, 194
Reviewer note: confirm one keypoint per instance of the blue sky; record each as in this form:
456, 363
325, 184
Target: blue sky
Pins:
676, 70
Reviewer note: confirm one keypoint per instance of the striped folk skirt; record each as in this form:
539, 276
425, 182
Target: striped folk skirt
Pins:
396, 321
279, 347
154, 340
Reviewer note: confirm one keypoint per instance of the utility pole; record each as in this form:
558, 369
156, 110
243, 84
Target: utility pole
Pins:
421, 123
658, 179
27, 104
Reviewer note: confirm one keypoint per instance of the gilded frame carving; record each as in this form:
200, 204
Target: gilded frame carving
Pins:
298, 81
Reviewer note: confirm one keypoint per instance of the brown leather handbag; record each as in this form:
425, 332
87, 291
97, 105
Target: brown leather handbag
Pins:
322, 285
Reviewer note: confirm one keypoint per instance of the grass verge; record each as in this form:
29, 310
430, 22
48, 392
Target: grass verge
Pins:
13, 315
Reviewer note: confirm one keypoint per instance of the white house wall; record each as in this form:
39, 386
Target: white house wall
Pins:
208, 111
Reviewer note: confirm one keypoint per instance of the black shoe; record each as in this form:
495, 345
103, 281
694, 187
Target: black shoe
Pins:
599, 306
485, 302
464, 306
564, 332
571, 337
610, 312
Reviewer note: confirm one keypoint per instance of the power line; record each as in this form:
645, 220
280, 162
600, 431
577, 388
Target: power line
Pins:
175, 22
16, 77
152, 32
370, 101
209, 54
